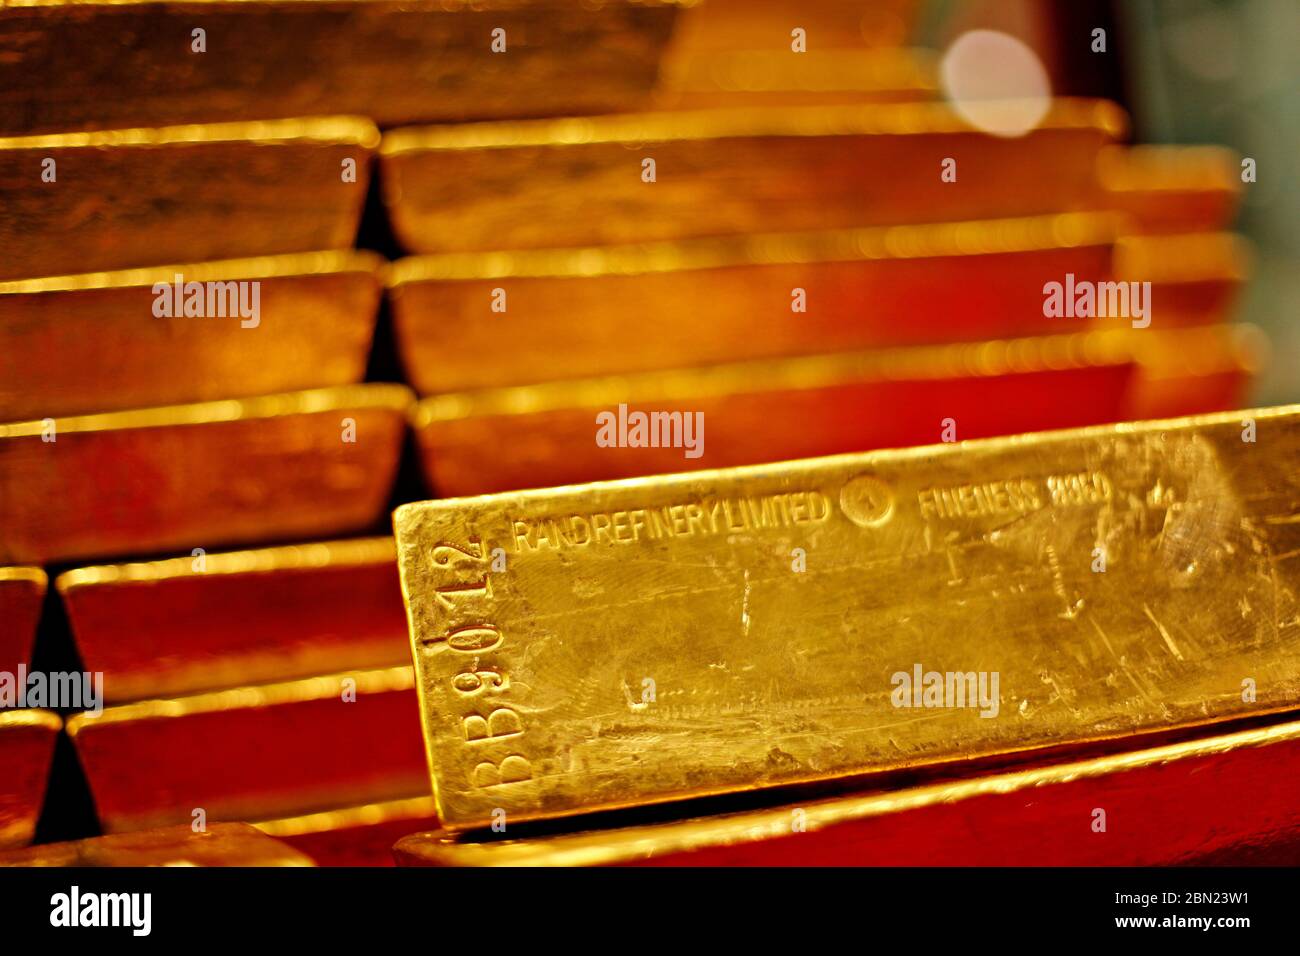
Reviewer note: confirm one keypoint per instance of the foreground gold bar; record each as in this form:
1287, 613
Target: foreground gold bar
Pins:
573, 181
22, 592
221, 844
185, 477
660, 638
1227, 799
249, 617
283, 323
765, 296
398, 61
118, 199
775, 78
745, 413
26, 748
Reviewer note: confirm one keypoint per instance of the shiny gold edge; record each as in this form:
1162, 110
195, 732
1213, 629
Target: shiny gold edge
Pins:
827, 71
881, 119
369, 814
1071, 350
970, 238
353, 130
288, 265
411, 519
35, 575
628, 844
45, 719
354, 552
375, 681
398, 398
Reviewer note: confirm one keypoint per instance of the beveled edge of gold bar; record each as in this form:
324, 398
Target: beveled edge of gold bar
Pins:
1103, 116
368, 814
965, 238
1065, 351
289, 265
346, 552
397, 398
347, 130
613, 846
24, 572
46, 719
409, 512
1185, 256
372, 681
1168, 168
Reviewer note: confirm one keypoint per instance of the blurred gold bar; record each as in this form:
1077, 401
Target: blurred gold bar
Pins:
124, 198
774, 78
184, 477
354, 836
249, 753
1207, 369
222, 844
26, 749
1172, 188
308, 324
663, 638
1195, 277
22, 592
575, 181
723, 25
861, 288
763, 411
248, 617
1184, 803
398, 61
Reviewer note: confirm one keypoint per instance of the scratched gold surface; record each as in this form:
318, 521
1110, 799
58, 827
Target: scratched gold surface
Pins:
578, 181
316, 314
398, 61
136, 197
180, 477
963, 558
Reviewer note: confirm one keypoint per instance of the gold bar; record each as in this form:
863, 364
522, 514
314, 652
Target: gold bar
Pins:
22, 593
309, 321
181, 477
249, 753
751, 412
722, 25
248, 617
1220, 800
1207, 369
222, 844
1170, 189
354, 836
398, 61
136, 197
862, 288
662, 638
774, 78
1195, 277
26, 748
573, 182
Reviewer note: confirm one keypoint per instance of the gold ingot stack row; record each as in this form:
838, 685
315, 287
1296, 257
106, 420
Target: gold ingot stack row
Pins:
652, 204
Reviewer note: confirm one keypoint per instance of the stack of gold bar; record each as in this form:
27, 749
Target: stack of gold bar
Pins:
666, 242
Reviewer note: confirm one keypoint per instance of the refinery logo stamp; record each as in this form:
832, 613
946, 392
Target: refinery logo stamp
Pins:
76, 690
637, 429
1084, 299
946, 689
214, 300
867, 501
